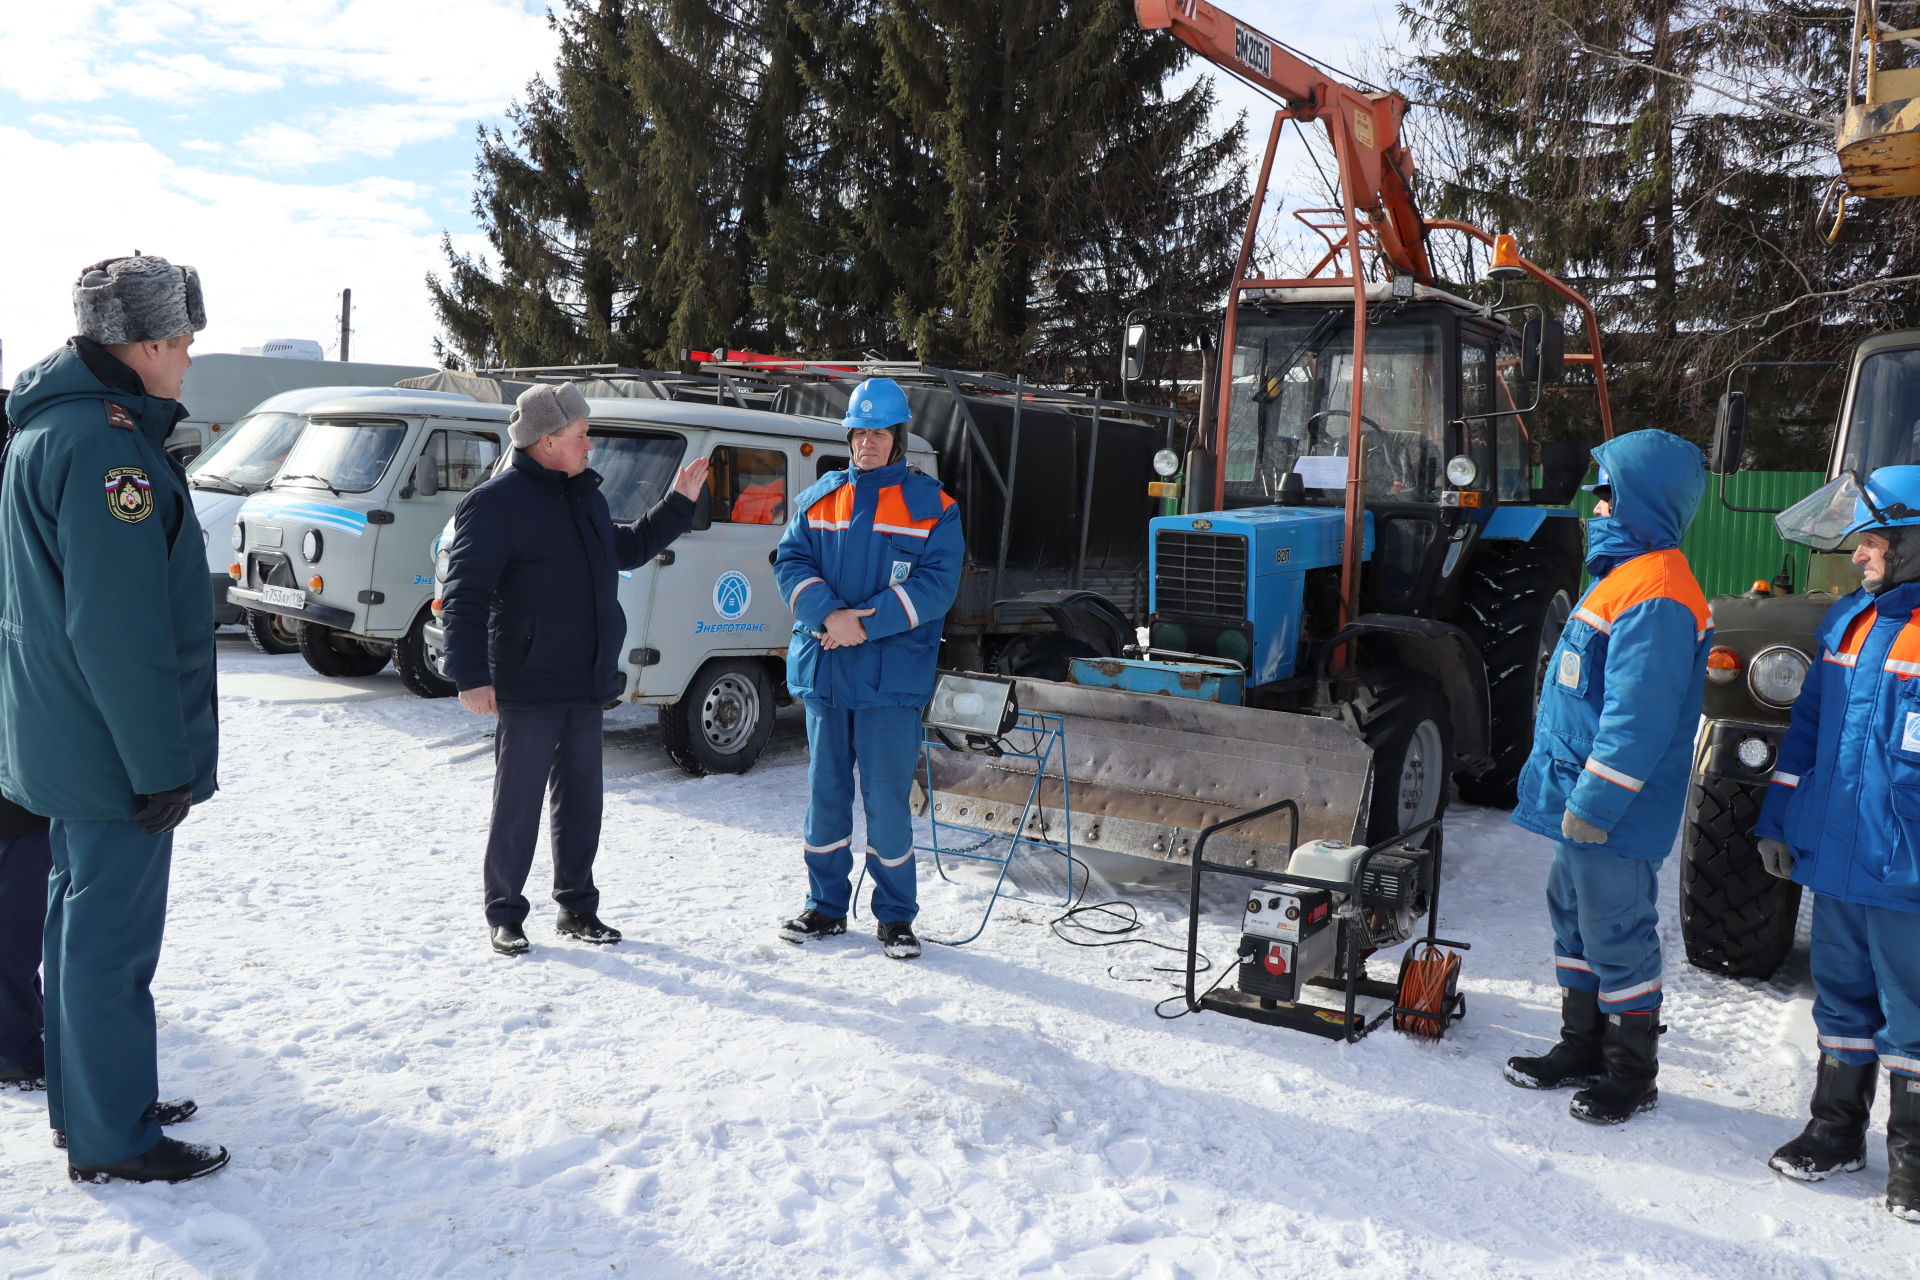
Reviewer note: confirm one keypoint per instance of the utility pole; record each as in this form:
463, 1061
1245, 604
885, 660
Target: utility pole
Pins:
346, 320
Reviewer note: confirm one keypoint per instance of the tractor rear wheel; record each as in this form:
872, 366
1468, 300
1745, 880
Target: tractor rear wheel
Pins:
1403, 716
1735, 918
1517, 601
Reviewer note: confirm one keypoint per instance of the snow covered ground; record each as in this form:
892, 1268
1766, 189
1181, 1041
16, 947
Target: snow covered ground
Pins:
705, 1101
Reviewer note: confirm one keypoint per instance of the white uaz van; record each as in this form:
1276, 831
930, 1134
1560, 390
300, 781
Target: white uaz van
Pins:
707, 629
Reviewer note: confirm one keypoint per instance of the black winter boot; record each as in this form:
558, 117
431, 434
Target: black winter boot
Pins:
811, 925
1903, 1146
170, 1160
1835, 1140
1630, 1044
1576, 1059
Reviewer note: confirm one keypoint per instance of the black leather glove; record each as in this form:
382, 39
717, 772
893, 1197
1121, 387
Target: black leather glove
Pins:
164, 810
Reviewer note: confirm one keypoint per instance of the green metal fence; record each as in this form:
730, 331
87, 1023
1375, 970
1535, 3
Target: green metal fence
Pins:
1729, 550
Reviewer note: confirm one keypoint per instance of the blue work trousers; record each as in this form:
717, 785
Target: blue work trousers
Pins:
24, 863
883, 744
106, 911
1866, 983
1606, 926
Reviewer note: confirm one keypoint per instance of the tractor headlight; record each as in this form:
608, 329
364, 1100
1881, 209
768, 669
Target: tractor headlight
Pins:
238, 535
312, 545
1775, 675
1461, 471
1166, 463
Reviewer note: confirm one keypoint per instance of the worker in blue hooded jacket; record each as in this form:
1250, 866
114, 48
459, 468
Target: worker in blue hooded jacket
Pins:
1608, 775
1842, 817
107, 723
869, 565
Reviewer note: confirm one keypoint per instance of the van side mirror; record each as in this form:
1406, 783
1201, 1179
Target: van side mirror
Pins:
1133, 356
1729, 434
426, 475
1543, 345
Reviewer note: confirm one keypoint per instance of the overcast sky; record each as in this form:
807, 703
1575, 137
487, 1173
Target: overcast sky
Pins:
288, 148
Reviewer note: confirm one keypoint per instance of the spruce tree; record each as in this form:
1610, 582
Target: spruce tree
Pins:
1668, 158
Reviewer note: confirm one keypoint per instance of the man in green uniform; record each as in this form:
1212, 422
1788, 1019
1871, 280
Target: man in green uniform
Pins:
106, 694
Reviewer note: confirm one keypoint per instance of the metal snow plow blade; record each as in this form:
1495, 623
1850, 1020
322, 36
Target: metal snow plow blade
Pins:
1149, 773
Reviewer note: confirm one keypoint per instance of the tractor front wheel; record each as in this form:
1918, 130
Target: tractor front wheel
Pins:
1403, 716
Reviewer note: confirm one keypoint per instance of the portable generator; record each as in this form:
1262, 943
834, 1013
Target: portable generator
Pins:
1316, 923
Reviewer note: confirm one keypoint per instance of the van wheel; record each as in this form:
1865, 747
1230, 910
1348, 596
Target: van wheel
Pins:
335, 653
722, 722
271, 633
417, 672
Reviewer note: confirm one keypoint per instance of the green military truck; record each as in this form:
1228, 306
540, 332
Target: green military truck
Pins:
1735, 918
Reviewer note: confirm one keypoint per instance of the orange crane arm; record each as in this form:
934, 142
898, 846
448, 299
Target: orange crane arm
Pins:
1369, 123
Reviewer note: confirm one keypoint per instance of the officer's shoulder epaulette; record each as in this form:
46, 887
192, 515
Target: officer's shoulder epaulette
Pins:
117, 416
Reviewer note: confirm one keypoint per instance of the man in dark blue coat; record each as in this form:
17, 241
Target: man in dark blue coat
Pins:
534, 630
107, 720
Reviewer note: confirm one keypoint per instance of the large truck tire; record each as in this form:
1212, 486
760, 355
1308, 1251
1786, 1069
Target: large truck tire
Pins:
1735, 918
335, 653
722, 722
1516, 603
1403, 716
1037, 656
411, 662
271, 633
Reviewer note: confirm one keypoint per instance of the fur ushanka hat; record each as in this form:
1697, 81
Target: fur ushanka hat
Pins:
138, 299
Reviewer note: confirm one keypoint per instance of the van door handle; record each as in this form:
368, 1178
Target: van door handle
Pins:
664, 558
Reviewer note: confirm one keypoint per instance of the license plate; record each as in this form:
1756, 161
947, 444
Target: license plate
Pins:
285, 597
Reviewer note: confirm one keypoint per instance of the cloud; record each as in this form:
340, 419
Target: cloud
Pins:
377, 130
83, 126
273, 255
440, 51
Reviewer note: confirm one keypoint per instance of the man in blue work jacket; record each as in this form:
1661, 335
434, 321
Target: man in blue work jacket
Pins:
1842, 817
870, 564
1608, 775
107, 721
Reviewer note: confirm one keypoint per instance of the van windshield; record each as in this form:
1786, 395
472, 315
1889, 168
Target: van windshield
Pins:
636, 470
346, 454
247, 453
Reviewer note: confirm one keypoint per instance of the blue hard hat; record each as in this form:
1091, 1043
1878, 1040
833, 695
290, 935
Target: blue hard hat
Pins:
1826, 518
1891, 500
876, 404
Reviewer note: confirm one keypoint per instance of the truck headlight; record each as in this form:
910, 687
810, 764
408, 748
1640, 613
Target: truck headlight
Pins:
1775, 675
238, 535
1165, 463
312, 545
1461, 471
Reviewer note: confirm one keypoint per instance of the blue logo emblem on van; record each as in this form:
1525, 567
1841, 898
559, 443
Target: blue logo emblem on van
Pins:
732, 594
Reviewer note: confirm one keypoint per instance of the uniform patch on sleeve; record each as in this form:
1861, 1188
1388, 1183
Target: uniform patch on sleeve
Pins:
117, 416
1570, 669
129, 494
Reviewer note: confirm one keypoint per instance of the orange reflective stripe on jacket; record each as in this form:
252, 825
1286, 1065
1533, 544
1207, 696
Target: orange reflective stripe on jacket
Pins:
1658, 575
835, 511
1855, 639
890, 514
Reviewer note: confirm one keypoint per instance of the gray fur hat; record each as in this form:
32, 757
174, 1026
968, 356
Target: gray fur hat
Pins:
543, 409
138, 299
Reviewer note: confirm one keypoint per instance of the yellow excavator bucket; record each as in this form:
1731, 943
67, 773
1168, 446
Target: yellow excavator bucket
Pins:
1879, 131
